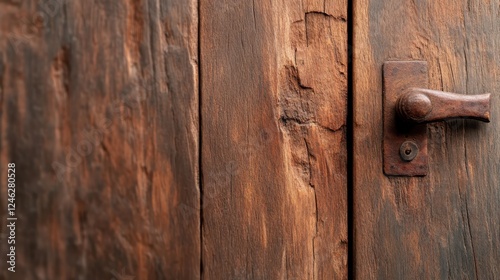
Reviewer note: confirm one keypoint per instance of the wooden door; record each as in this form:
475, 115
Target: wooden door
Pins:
99, 110
445, 225
273, 139
175, 139
213, 139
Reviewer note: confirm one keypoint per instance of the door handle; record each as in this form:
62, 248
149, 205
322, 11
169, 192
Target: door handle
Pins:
424, 105
409, 106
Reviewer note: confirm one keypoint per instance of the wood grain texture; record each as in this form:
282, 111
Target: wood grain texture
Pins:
99, 111
273, 81
445, 225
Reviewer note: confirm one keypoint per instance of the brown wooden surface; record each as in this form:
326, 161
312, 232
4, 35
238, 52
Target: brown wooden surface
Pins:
99, 112
273, 80
445, 225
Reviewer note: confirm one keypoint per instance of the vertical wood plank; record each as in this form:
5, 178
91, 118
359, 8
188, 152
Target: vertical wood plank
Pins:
99, 112
444, 225
273, 83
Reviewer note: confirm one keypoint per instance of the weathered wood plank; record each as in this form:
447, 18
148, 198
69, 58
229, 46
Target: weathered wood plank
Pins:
444, 225
99, 111
273, 76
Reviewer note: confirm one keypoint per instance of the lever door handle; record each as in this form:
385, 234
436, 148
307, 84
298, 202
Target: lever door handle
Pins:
424, 105
408, 105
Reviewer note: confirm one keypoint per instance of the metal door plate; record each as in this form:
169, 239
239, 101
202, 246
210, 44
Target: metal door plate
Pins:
398, 77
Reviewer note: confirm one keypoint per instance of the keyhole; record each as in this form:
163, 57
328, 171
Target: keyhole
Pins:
408, 150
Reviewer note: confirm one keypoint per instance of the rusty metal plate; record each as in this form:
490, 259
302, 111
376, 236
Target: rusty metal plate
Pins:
398, 77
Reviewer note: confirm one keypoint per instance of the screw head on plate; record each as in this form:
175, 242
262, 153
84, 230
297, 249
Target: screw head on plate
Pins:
408, 151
